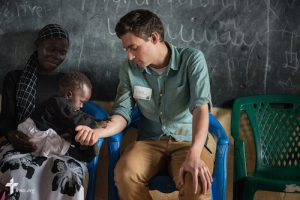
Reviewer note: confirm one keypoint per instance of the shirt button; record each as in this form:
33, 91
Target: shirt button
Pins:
161, 113
161, 94
163, 127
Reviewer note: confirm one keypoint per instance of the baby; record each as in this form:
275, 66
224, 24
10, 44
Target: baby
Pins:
52, 128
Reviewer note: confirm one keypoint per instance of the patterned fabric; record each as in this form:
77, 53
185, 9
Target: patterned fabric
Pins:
26, 86
52, 31
66, 177
26, 89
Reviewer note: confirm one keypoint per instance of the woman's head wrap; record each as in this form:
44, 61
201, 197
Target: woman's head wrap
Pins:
52, 31
26, 90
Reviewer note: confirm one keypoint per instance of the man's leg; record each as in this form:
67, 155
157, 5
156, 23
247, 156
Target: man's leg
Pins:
178, 154
140, 162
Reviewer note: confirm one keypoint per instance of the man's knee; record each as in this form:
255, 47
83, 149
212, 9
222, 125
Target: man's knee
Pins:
125, 172
186, 192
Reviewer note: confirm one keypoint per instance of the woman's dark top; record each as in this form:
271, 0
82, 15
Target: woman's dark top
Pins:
46, 87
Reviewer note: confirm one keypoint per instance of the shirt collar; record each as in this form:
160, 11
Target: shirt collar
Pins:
172, 63
174, 56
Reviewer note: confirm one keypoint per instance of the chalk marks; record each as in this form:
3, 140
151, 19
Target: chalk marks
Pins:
5, 14
291, 3
229, 35
232, 36
291, 58
25, 9
9, 10
291, 61
199, 3
81, 51
247, 43
288, 84
83, 5
267, 65
229, 64
110, 28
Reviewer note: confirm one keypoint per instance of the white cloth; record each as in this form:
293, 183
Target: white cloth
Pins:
41, 178
48, 142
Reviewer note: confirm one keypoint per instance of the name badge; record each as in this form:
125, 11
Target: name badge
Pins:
140, 92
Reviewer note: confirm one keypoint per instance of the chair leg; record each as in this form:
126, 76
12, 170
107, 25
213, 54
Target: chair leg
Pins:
248, 192
238, 190
93, 169
114, 155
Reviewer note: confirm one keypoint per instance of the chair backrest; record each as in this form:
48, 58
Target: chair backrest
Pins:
275, 123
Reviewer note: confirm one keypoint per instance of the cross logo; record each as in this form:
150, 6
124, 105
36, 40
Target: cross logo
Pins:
11, 186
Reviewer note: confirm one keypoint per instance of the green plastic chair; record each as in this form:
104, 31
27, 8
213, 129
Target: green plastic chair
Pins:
275, 125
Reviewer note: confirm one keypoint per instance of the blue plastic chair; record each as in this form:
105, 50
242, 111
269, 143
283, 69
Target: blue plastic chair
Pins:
165, 184
99, 113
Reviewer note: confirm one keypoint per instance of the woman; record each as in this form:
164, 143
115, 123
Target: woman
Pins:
23, 93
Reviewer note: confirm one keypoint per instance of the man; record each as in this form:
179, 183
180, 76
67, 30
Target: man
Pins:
171, 88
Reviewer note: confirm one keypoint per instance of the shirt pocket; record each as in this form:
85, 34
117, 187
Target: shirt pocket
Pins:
146, 107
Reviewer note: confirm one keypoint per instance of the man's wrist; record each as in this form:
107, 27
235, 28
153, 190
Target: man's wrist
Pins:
195, 150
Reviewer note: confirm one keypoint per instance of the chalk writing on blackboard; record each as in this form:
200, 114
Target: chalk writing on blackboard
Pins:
247, 43
233, 37
26, 9
292, 61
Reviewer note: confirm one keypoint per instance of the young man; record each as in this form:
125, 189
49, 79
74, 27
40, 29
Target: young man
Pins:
171, 88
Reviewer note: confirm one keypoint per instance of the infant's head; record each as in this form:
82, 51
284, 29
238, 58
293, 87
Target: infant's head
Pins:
76, 87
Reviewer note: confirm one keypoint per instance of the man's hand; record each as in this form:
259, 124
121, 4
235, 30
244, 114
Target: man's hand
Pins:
20, 141
85, 135
198, 169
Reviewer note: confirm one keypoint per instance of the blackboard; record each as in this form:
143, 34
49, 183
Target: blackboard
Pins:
251, 46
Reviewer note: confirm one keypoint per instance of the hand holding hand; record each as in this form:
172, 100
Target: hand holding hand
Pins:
85, 135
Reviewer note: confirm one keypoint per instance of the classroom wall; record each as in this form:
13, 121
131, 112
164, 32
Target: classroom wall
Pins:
251, 46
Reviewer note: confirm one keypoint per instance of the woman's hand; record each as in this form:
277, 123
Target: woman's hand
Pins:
20, 141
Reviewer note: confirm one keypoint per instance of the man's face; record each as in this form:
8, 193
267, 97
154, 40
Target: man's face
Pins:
80, 96
138, 50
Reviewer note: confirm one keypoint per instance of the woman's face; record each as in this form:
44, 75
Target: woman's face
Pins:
51, 53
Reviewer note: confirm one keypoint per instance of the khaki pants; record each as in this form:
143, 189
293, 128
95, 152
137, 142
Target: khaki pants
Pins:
144, 159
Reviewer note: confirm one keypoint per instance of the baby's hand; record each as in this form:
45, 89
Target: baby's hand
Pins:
85, 135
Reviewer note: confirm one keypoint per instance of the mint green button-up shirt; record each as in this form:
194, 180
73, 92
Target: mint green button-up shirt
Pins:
167, 108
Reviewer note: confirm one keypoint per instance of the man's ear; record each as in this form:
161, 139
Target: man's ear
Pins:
155, 37
68, 94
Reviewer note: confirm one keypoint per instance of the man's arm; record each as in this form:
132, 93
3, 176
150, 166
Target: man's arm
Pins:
122, 109
114, 125
193, 163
